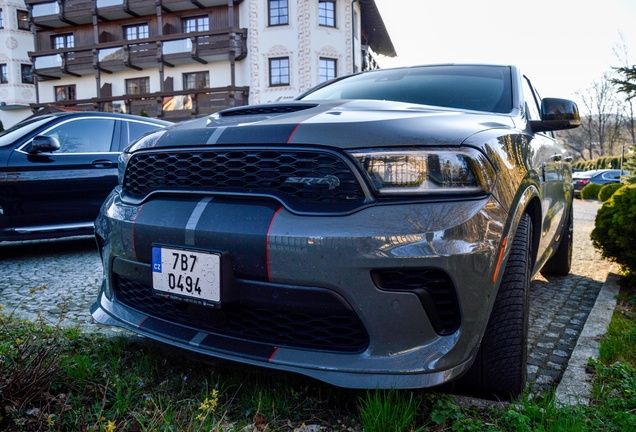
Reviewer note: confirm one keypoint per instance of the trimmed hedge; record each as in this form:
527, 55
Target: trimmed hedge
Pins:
615, 232
613, 162
608, 190
590, 191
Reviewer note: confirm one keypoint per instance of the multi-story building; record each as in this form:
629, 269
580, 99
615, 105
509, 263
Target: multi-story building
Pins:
17, 88
180, 59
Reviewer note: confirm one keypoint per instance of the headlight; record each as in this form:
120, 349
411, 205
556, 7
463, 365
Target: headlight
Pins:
148, 140
426, 171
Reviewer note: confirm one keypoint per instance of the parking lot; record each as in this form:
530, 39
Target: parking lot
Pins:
58, 280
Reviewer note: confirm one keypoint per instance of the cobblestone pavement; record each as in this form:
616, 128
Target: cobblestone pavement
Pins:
560, 305
70, 272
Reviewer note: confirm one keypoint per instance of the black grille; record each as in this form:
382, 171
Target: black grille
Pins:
299, 178
341, 333
435, 290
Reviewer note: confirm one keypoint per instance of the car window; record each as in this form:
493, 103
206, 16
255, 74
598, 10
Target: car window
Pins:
531, 100
21, 129
84, 135
134, 129
611, 176
480, 88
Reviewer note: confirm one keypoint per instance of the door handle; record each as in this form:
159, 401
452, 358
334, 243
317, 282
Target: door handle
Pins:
102, 163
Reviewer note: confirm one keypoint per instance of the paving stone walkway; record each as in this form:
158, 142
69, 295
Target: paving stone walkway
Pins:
560, 305
58, 280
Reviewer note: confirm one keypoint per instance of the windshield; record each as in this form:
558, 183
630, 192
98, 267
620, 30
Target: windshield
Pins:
21, 129
480, 88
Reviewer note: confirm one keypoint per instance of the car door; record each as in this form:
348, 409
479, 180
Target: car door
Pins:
553, 173
67, 186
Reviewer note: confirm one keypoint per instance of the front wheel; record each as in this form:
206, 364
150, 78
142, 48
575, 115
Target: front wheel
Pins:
499, 370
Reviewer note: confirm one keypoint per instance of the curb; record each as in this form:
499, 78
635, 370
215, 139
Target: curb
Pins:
576, 384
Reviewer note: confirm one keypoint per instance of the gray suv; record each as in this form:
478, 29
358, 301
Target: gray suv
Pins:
380, 231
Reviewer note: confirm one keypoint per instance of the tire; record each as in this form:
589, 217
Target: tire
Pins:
560, 263
499, 370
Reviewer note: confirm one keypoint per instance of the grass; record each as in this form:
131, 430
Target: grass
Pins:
55, 379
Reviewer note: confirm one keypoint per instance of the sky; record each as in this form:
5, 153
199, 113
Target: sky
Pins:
563, 46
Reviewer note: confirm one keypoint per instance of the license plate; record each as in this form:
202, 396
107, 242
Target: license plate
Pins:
187, 274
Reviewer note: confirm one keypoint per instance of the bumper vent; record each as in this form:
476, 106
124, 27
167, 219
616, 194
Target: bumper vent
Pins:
305, 180
293, 328
435, 290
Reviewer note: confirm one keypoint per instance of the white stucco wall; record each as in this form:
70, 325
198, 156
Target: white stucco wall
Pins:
15, 96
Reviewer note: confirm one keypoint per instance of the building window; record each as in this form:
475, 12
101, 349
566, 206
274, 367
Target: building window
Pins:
137, 31
23, 20
63, 41
4, 74
327, 13
26, 73
1, 19
196, 80
138, 86
327, 69
63, 93
278, 12
196, 24
279, 71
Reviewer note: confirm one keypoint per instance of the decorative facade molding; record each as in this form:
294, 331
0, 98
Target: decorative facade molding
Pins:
255, 79
304, 45
348, 37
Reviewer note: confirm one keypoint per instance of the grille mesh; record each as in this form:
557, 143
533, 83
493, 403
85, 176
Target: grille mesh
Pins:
341, 333
297, 177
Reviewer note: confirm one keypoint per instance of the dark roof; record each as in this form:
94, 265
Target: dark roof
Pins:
374, 28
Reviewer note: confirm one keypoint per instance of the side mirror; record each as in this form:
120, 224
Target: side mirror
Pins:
557, 114
43, 144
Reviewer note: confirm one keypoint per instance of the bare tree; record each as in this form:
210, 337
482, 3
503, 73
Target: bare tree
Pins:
602, 126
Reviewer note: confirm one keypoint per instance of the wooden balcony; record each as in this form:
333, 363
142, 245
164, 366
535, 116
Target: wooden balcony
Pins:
63, 13
173, 106
177, 49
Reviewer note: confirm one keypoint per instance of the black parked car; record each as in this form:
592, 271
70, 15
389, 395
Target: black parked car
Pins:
380, 231
57, 169
601, 177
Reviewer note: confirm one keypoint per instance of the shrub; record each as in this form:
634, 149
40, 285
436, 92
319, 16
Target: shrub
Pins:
614, 234
590, 191
608, 190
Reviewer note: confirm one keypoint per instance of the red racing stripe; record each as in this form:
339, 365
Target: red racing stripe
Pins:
292, 134
273, 354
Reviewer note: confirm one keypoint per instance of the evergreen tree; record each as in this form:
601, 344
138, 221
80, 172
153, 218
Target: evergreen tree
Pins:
627, 84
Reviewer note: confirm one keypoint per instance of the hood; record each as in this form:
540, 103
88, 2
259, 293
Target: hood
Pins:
340, 124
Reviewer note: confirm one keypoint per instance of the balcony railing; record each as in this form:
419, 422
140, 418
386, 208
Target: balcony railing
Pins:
174, 106
202, 47
62, 13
